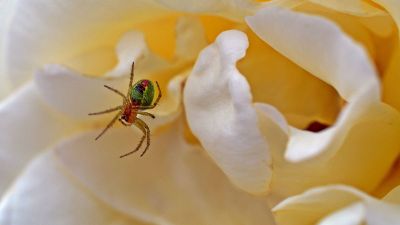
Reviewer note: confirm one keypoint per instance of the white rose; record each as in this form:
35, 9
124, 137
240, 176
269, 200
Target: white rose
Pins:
251, 116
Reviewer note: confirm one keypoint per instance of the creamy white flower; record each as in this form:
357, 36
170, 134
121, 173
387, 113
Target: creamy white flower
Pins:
250, 87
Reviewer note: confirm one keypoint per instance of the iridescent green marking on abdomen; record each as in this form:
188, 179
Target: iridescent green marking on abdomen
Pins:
142, 93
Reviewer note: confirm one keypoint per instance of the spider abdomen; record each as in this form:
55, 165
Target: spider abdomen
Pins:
142, 93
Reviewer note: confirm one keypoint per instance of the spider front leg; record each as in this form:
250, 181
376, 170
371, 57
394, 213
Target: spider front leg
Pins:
117, 92
106, 111
131, 77
109, 125
146, 133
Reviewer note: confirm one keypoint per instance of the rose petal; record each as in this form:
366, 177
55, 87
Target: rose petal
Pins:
319, 203
77, 95
392, 6
331, 55
27, 126
391, 93
374, 33
380, 25
234, 9
220, 113
350, 215
45, 194
352, 7
5, 86
274, 115
393, 196
132, 47
346, 166
34, 37
390, 181
334, 58
314, 204
174, 180
190, 38
278, 81
350, 25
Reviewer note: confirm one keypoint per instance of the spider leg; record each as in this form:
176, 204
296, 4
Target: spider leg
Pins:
131, 77
143, 129
109, 125
159, 94
106, 111
117, 92
143, 124
146, 114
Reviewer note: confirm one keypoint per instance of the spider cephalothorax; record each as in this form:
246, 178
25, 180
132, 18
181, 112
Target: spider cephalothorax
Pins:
139, 98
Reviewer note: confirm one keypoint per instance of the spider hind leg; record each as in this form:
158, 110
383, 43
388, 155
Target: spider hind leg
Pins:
146, 135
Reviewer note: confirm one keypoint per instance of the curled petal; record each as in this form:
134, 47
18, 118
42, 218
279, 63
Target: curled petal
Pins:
173, 183
220, 113
391, 93
278, 81
274, 115
393, 8
335, 205
333, 57
28, 127
132, 47
30, 201
350, 215
352, 7
324, 50
170, 107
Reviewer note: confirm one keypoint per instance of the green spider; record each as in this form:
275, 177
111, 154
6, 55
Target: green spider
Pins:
139, 97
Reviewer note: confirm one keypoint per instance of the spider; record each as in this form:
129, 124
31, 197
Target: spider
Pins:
139, 98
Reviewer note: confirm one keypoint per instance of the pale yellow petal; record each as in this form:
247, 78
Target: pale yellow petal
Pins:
332, 154
393, 196
190, 38
34, 37
235, 9
323, 49
393, 7
312, 205
336, 205
374, 33
350, 215
28, 126
133, 47
353, 7
391, 92
76, 95
276, 80
219, 110
333, 57
46, 194
173, 183
5, 86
